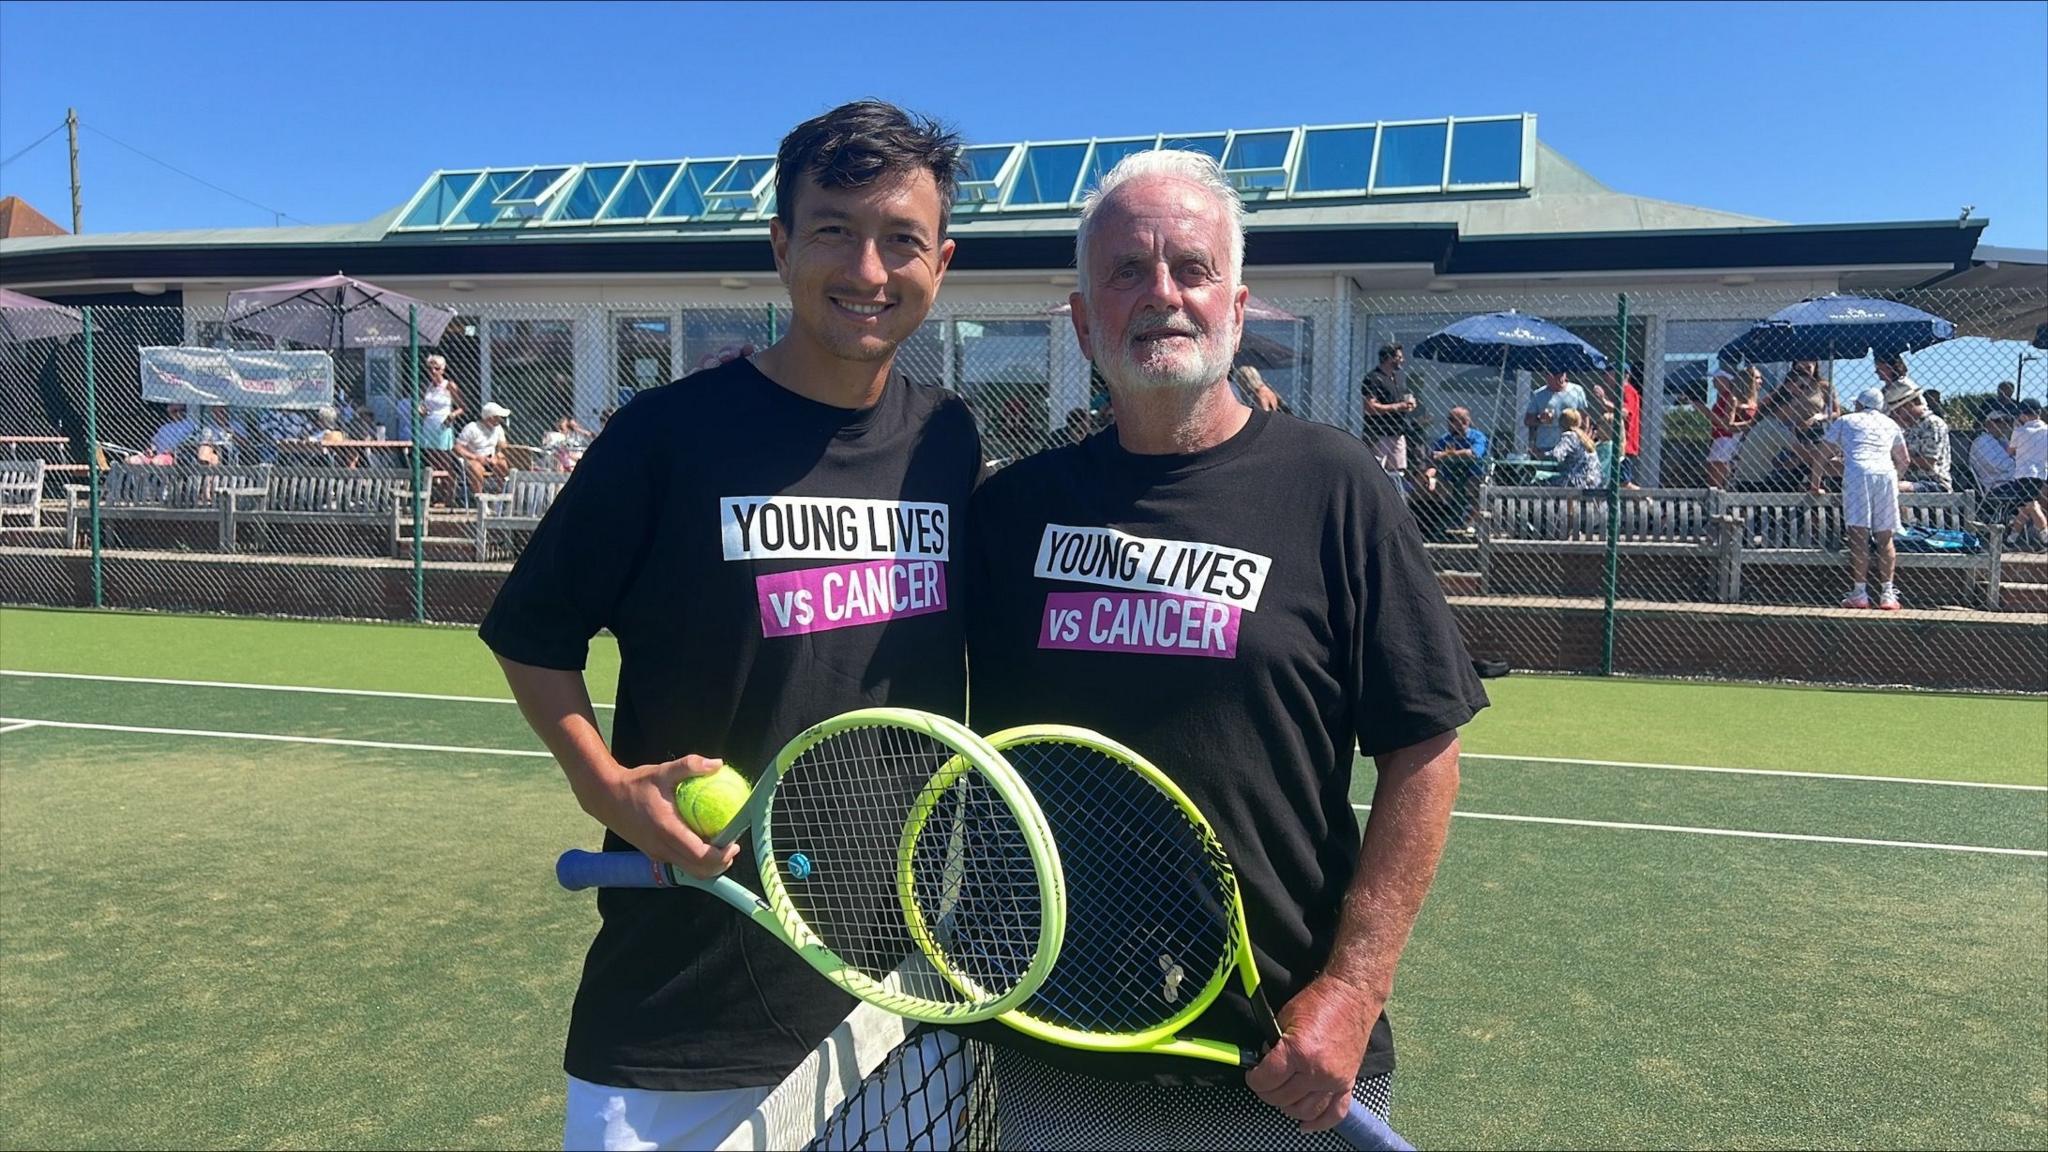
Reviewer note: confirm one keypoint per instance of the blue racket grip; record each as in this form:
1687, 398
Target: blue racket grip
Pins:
1361, 1129
578, 869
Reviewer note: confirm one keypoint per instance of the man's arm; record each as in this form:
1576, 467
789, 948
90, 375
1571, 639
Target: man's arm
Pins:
637, 803
1329, 1022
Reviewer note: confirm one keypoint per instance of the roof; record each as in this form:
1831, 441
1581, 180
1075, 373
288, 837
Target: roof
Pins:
1551, 216
19, 218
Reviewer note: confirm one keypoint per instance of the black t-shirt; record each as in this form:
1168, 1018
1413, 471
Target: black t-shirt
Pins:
766, 562
1387, 387
1261, 605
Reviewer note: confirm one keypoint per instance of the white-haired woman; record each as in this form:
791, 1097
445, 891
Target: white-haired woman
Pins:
440, 411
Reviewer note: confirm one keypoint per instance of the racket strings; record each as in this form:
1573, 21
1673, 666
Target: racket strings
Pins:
837, 826
1151, 913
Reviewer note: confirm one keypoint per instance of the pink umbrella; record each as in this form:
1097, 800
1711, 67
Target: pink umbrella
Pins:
25, 318
336, 312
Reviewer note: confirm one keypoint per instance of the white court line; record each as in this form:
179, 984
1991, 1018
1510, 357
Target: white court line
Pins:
458, 749
1756, 772
17, 727
270, 687
1739, 833
276, 739
1463, 756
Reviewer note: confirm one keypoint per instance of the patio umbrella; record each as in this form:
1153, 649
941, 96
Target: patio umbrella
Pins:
1510, 341
1834, 327
335, 312
26, 318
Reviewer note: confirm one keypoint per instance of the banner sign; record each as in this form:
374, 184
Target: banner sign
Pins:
201, 376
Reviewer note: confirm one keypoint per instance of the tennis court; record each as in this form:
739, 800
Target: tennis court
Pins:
239, 916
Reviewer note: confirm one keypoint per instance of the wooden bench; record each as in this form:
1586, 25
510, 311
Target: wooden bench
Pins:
165, 492
375, 497
1797, 528
518, 508
1555, 521
21, 493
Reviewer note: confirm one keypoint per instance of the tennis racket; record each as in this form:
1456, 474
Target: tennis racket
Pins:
1155, 925
899, 855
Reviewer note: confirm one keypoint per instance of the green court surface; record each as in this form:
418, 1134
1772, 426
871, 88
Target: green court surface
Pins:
325, 940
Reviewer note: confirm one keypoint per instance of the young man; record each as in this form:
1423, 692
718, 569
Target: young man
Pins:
690, 530
1388, 406
1540, 415
1321, 627
1873, 454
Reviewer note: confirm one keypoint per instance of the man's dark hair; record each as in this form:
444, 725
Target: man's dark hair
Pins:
1388, 351
2030, 407
1896, 361
856, 144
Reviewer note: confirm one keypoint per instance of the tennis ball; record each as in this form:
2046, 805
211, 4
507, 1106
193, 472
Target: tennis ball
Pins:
708, 803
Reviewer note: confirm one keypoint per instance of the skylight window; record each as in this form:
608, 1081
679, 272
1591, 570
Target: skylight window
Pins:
981, 176
642, 189
1334, 160
1257, 161
1411, 157
1047, 175
588, 192
443, 194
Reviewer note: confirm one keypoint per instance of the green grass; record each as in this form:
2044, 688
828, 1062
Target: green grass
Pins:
219, 943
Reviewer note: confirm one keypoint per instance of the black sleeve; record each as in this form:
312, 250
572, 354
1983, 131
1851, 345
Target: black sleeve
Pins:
583, 555
1414, 676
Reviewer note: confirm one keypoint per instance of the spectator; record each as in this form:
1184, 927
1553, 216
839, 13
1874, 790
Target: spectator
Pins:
1388, 404
564, 446
1926, 439
1991, 451
1460, 461
481, 447
2000, 500
604, 417
1578, 463
1546, 406
1873, 454
1733, 413
217, 438
1632, 417
1079, 424
1253, 390
276, 426
2026, 494
439, 407
1933, 398
2004, 401
169, 438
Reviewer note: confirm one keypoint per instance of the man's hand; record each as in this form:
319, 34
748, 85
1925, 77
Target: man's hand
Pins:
640, 805
1308, 1075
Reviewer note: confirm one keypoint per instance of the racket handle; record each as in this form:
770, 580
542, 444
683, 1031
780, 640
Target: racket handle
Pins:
578, 870
1361, 1129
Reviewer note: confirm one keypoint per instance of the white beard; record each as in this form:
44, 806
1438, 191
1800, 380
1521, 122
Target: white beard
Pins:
1161, 367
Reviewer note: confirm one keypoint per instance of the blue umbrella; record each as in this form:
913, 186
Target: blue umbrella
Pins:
1836, 327
1511, 341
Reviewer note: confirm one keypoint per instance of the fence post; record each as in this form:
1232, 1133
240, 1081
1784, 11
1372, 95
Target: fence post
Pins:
92, 460
1617, 452
419, 510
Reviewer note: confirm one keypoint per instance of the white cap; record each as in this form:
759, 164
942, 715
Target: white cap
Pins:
498, 410
1870, 399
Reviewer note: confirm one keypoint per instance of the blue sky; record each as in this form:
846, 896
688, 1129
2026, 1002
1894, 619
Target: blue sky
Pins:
336, 112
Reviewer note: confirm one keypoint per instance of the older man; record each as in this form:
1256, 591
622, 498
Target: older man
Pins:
1873, 454
1927, 445
1333, 634
481, 447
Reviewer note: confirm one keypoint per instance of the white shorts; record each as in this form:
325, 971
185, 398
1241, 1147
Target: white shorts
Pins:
1391, 452
1870, 500
1723, 449
604, 1117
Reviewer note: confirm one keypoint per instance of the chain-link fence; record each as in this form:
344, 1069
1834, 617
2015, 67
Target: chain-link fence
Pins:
1722, 551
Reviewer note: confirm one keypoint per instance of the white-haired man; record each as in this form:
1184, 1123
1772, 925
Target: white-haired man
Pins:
1873, 454
1323, 628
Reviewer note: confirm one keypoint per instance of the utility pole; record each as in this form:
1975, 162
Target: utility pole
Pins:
71, 124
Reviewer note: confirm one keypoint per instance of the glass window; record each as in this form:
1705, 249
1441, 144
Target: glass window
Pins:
1003, 369
642, 355
706, 331
533, 372
1107, 155
1258, 160
980, 168
1334, 158
1411, 156
481, 208
1283, 350
440, 201
588, 194
1487, 152
688, 197
532, 185
1210, 146
1047, 174
734, 191
643, 184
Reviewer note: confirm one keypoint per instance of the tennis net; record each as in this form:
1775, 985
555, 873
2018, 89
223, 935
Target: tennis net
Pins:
879, 1082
